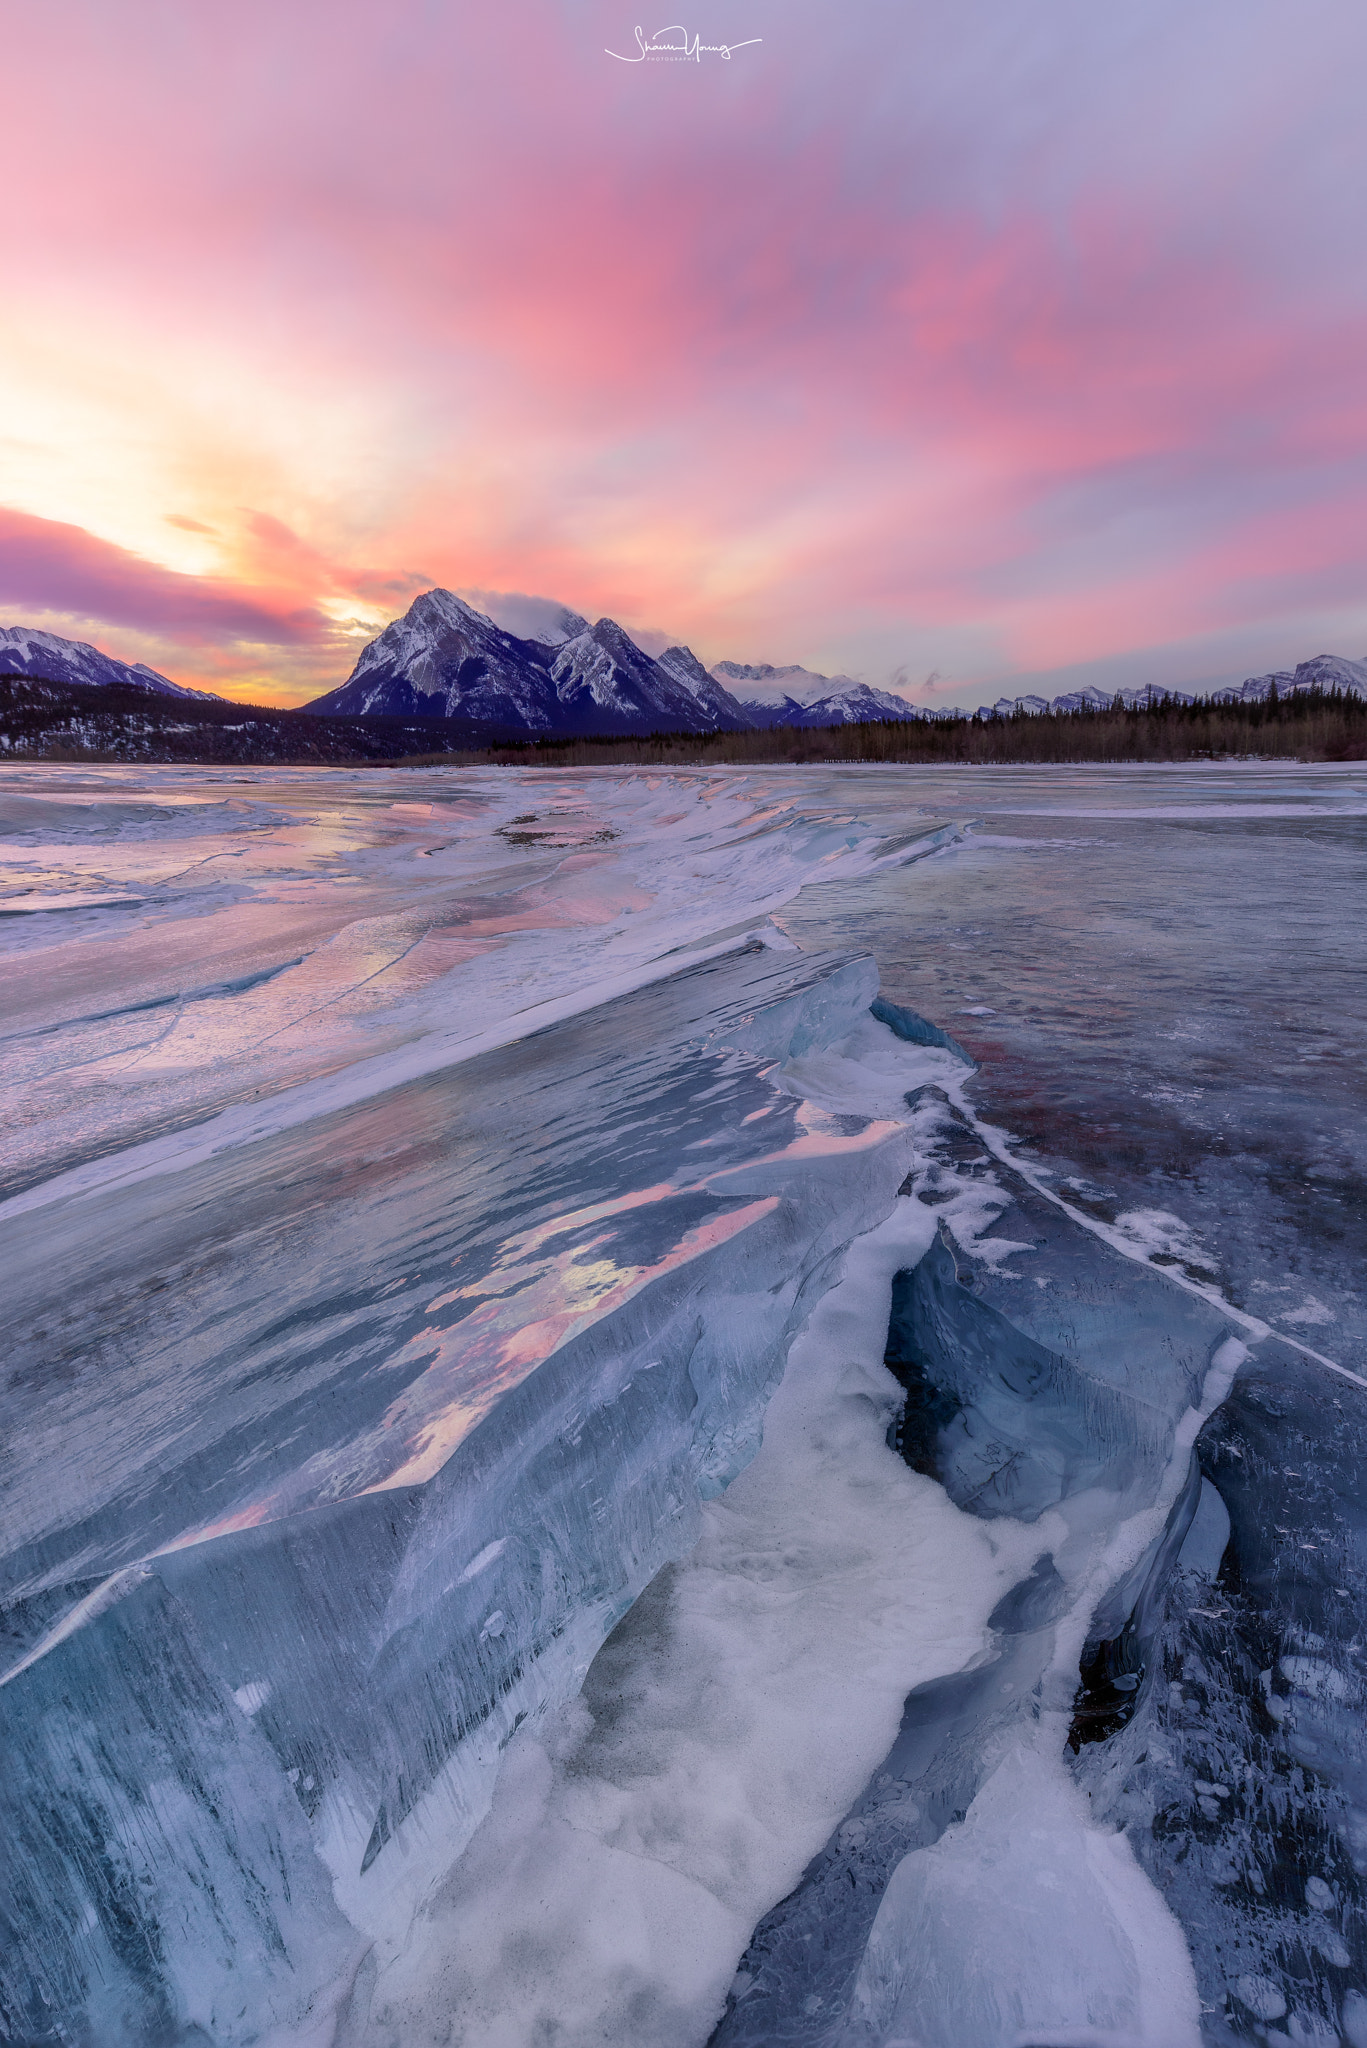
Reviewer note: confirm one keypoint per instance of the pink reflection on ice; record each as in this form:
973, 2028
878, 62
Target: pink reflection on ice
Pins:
474, 1367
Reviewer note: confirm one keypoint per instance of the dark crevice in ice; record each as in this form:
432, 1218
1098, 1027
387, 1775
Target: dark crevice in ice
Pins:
918, 1030
1115, 1668
928, 1409
1005, 1423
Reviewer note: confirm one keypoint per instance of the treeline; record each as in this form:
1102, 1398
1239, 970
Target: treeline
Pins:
1316, 725
42, 720
47, 721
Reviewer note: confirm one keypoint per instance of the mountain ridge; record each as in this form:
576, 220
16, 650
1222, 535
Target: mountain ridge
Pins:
26, 651
443, 660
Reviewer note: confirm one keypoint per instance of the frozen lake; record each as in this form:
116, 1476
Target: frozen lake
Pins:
568, 1481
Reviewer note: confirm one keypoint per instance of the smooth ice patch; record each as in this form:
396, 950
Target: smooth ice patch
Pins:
1026, 1923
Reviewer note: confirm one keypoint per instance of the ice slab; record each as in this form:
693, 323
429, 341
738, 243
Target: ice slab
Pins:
1025, 1923
442, 1382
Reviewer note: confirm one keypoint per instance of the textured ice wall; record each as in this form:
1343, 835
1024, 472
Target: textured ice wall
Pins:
970, 1897
737, 1711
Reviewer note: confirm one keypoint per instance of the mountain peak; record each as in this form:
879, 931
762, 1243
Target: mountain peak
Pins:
27, 651
442, 607
444, 659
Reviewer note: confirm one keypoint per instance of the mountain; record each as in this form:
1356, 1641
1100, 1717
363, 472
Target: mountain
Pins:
605, 682
443, 659
1321, 672
794, 695
683, 665
769, 685
858, 704
1090, 699
24, 651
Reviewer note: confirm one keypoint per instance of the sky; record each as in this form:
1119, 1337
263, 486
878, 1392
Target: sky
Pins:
956, 345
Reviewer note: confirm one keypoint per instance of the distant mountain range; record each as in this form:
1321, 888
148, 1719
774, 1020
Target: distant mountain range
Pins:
24, 651
445, 660
798, 696
1321, 672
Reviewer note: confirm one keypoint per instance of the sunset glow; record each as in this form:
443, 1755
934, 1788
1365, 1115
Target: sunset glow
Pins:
1014, 345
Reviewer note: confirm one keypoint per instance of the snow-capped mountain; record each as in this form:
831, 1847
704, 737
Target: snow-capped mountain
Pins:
24, 651
787, 711
858, 704
603, 680
760, 682
1321, 672
794, 695
683, 665
444, 659
1090, 699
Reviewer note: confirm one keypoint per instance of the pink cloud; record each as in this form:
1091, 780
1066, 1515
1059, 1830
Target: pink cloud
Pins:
48, 565
938, 336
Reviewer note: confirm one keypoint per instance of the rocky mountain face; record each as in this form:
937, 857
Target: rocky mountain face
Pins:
24, 651
1321, 672
443, 659
729, 713
799, 696
605, 682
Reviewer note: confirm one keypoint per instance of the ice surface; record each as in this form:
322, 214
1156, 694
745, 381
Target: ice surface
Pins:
445, 1376
569, 1480
1243, 1778
285, 928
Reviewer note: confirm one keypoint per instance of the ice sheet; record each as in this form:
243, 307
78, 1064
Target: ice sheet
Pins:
470, 1572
